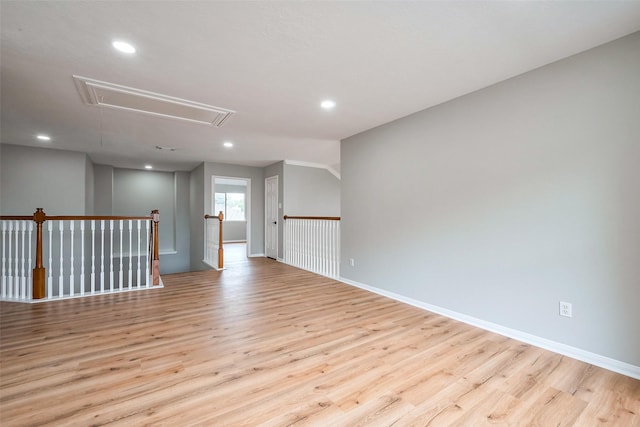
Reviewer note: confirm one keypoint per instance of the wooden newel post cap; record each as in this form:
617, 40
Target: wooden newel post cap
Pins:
156, 215
221, 216
39, 216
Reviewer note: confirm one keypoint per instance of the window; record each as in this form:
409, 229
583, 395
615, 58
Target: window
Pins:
231, 205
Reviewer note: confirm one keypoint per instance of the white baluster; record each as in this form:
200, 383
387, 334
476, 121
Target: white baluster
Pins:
23, 275
312, 243
120, 272
292, 239
296, 242
306, 244
93, 256
326, 251
139, 224
299, 225
130, 254
102, 255
289, 241
29, 271
146, 276
50, 266
60, 276
16, 260
300, 261
72, 282
81, 257
285, 244
325, 246
9, 259
316, 245
332, 249
337, 249
322, 247
309, 240
4, 260
111, 280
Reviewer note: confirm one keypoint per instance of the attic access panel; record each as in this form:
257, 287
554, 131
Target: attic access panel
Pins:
96, 92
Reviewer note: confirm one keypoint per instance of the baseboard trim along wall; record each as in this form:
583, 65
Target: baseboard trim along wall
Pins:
566, 350
257, 255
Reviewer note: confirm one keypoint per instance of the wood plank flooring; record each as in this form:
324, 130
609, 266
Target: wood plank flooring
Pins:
266, 344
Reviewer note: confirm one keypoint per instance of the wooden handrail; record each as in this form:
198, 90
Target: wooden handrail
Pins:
328, 218
220, 218
75, 217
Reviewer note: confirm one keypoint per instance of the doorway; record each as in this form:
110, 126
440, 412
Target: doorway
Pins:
232, 196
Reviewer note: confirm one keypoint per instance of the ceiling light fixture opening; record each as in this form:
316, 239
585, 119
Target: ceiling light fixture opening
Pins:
148, 167
327, 104
228, 144
42, 137
123, 46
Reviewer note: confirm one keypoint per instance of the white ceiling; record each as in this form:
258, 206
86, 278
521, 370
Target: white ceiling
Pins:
272, 63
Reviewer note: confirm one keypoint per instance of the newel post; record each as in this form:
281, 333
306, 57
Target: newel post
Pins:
39, 217
155, 266
220, 250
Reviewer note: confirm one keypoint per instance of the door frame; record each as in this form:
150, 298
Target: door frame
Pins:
247, 209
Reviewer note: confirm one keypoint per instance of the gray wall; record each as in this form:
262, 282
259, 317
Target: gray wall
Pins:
257, 199
502, 203
310, 191
137, 193
103, 185
89, 178
182, 259
32, 177
277, 169
197, 209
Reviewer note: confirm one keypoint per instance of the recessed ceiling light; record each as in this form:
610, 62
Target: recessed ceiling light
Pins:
148, 167
44, 137
327, 104
228, 144
124, 46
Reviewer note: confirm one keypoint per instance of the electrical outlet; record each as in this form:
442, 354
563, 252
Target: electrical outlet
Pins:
565, 309
352, 262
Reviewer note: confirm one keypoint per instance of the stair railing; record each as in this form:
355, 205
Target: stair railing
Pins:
213, 250
313, 243
88, 256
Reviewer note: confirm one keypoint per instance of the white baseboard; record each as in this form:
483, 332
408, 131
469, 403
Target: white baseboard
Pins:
560, 348
234, 241
256, 255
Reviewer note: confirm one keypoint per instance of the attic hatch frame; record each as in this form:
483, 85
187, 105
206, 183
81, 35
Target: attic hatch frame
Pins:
111, 95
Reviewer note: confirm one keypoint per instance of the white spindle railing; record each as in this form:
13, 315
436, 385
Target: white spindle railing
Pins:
313, 243
213, 241
70, 253
17, 240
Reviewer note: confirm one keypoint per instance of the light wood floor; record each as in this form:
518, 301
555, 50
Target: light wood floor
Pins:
263, 343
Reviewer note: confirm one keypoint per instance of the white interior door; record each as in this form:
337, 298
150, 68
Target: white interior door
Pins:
271, 217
